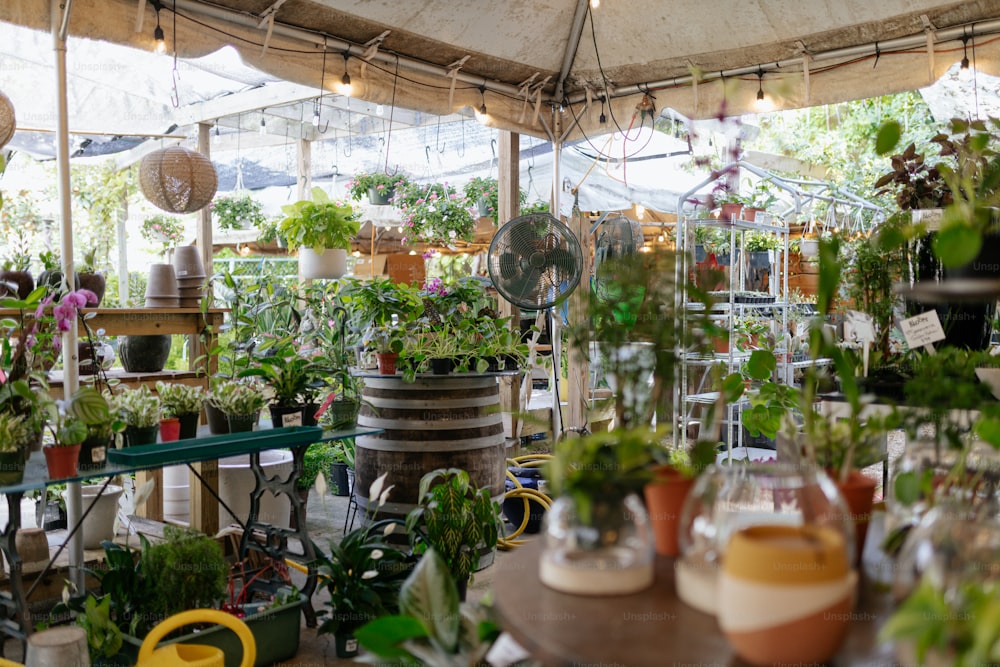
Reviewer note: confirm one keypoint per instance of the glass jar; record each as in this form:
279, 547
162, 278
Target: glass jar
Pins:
610, 554
726, 499
928, 474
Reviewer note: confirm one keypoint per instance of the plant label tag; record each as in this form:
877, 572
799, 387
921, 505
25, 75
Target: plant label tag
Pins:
859, 327
293, 419
923, 329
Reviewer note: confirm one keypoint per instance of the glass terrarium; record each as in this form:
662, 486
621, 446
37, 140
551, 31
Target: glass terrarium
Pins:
726, 499
606, 549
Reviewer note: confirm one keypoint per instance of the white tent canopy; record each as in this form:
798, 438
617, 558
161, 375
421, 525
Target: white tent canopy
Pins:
525, 58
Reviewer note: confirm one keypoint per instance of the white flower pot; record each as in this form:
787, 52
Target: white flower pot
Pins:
326, 265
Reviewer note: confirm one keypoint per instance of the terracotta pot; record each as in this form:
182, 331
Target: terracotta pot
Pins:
170, 429
665, 497
786, 593
62, 461
731, 211
859, 492
387, 363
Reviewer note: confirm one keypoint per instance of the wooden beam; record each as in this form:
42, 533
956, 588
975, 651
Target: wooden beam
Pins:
508, 208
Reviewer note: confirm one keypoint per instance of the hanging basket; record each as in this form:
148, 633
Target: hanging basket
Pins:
177, 179
7, 121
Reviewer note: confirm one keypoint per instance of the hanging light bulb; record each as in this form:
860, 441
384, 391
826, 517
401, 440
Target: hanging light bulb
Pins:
481, 114
964, 69
345, 88
161, 42
763, 103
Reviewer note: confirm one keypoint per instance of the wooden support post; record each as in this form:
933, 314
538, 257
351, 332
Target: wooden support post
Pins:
508, 208
578, 370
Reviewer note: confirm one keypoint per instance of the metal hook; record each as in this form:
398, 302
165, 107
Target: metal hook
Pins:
437, 139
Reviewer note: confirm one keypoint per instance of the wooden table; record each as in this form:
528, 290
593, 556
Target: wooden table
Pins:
651, 628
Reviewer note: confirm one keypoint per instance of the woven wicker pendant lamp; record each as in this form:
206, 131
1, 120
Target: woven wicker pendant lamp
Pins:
178, 180
7, 120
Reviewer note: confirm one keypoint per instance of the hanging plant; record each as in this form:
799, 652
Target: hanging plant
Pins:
166, 230
434, 213
238, 212
380, 182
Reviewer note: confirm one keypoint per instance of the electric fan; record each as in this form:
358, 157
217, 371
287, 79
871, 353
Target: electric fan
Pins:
535, 261
619, 237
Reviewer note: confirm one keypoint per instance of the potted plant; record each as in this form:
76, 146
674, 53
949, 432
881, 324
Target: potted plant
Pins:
455, 518
597, 516
290, 377
434, 213
14, 434
183, 402
433, 627
88, 275
240, 402
139, 408
363, 574
238, 211
322, 230
387, 342
378, 186
167, 231
67, 422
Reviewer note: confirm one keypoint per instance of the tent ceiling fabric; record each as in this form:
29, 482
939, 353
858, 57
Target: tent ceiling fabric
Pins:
639, 42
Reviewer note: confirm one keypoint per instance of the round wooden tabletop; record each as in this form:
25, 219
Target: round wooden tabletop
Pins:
652, 627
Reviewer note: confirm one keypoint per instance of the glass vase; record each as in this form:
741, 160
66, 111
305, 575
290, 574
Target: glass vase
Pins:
611, 553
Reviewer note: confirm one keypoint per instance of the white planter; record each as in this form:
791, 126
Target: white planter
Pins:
99, 525
327, 265
236, 481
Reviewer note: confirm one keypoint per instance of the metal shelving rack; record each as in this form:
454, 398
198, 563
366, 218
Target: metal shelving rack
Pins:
803, 193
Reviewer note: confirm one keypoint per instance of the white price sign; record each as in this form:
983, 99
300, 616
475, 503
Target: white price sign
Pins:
923, 329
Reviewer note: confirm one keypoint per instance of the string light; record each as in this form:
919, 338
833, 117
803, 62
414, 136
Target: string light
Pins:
158, 37
345, 81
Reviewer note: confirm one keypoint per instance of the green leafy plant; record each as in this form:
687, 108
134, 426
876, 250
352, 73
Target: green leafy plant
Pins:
432, 628
291, 378
379, 181
363, 572
236, 398
454, 517
180, 399
598, 471
434, 213
238, 211
137, 406
165, 230
959, 626
319, 223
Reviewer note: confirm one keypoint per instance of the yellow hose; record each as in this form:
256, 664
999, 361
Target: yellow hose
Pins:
525, 494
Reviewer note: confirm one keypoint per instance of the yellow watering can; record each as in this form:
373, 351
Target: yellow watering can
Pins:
194, 655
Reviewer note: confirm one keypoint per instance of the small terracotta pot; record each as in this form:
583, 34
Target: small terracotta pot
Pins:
387, 363
62, 461
859, 492
665, 497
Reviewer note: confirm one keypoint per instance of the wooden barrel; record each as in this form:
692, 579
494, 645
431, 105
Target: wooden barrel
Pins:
435, 422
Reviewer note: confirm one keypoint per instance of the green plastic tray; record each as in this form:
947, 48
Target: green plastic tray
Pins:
214, 447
